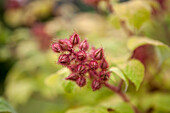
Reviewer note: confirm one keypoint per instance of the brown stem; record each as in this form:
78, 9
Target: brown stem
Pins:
123, 24
109, 6
126, 29
120, 85
122, 95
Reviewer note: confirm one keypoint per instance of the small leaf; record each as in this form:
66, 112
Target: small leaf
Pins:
118, 72
5, 107
134, 70
56, 77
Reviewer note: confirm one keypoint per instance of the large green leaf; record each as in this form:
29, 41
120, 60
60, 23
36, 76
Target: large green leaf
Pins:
5, 107
163, 51
118, 72
134, 70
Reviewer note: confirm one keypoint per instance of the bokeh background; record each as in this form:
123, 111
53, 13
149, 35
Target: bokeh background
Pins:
28, 27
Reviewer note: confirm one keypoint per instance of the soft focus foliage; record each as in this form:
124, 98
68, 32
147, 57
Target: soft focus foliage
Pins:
135, 36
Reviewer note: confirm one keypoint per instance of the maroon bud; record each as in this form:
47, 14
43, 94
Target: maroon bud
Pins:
81, 69
91, 53
93, 65
104, 64
96, 84
81, 81
75, 39
81, 55
65, 44
72, 56
64, 59
73, 77
73, 68
104, 75
93, 74
56, 47
84, 45
99, 54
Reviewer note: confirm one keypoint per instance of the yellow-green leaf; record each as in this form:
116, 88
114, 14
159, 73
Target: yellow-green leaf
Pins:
134, 70
118, 72
163, 51
56, 77
5, 107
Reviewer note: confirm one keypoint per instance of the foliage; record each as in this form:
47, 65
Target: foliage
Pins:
133, 34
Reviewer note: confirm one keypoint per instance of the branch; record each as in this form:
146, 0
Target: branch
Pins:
122, 95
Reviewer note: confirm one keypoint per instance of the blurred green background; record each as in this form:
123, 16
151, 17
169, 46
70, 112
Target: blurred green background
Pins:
28, 27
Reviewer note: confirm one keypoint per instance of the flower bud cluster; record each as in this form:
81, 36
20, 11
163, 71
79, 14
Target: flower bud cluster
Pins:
82, 62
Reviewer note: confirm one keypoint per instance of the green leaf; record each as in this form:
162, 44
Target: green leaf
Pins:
117, 105
163, 51
88, 110
57, 80
134, 70
115, 21
5, 107
52, 80
139, 17
118, 72
123, 108
161, 102
136, 16
69, 86
135, 42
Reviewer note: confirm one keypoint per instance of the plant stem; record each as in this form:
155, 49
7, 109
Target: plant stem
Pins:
120, 85
122, 95
122, 22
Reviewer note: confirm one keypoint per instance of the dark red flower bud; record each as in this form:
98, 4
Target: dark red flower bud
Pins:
65, 44
73, 77
91, 52
93, 65
81, 55
98, 54
104, 75
75, 39
96, 84
72, 56
56, 47
84, 45
93, 74
81, 81
104, 64
81, 69
73, 68
64, 59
